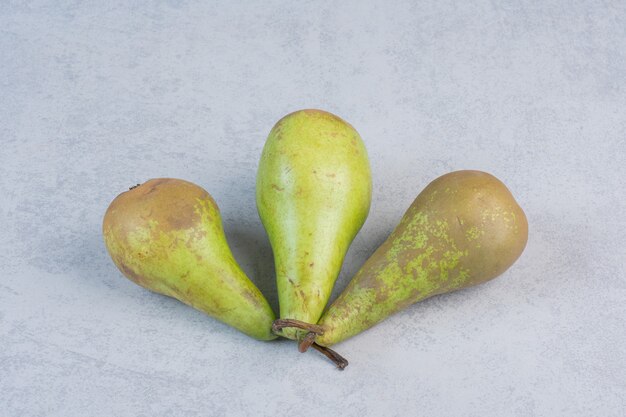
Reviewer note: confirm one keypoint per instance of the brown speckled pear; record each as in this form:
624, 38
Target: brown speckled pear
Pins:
166, 235
465, 228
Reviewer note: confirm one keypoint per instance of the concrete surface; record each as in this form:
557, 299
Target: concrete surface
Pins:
96, 96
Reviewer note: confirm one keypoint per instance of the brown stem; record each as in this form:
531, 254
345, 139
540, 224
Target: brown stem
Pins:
280, 324
307, 341
336, 358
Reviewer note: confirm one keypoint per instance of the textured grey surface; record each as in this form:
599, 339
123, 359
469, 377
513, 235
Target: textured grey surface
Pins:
97, 96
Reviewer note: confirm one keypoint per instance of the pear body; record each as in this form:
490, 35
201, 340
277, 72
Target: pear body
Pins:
313, 195
465, 228
166, 235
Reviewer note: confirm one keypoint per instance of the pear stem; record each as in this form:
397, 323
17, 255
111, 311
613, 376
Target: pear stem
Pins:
306, 342
309, 340
339, 361
280, 324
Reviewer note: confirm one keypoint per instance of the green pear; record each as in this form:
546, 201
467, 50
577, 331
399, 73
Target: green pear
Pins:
166, 235
313, 194
465, 228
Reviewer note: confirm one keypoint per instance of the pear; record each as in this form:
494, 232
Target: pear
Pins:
465, 228
166, 235
313, 194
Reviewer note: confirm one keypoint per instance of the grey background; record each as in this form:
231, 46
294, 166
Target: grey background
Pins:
97, 96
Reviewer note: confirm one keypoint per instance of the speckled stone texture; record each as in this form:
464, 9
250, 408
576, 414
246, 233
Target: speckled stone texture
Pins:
97, 96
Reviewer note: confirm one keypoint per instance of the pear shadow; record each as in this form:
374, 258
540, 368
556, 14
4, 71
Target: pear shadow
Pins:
194, 318
246, 237
359, 252
252, 250
102, 269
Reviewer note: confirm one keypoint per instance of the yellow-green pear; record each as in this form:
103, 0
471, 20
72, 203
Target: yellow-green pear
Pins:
313, 194
166, 235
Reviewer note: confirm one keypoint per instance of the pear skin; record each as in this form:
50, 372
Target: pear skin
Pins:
313, 194
166, 235
465, 228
